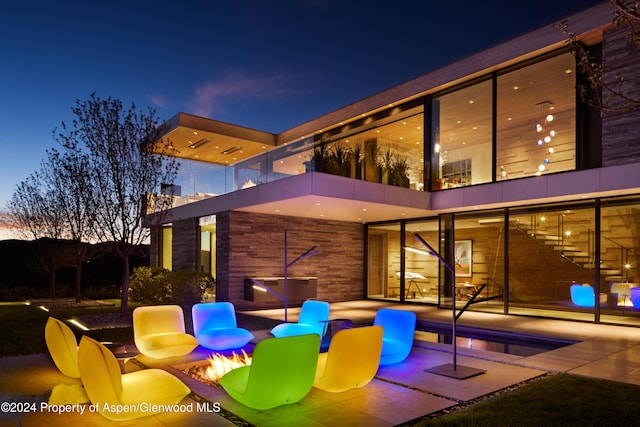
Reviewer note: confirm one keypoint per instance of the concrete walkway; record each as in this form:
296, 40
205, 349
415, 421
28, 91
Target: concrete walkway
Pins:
399, 393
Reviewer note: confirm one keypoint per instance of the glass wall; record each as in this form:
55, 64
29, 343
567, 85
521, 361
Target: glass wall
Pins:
479, 259
421, 273
578, 260
383, 261
208, 245
388, 149
536, 119
166, 248
620, 256
550, 249
462, 133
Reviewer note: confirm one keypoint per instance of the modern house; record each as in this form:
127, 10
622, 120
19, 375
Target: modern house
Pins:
494, 161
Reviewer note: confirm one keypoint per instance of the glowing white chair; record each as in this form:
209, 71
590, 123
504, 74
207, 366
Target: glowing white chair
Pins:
118, 396
313, 319
62, 346
158, 331
397, 340
215, 326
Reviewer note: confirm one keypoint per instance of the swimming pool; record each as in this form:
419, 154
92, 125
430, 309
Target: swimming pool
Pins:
491, 340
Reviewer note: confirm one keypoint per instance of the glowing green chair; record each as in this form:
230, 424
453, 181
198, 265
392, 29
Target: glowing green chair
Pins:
215, 326
281, 372
313, 319
118, 396
158, 331
397, 340
352, 360
62, 346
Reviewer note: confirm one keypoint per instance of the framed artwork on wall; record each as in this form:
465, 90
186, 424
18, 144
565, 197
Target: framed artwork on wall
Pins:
464, 258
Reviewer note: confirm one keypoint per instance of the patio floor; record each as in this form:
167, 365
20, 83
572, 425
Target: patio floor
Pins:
399, 393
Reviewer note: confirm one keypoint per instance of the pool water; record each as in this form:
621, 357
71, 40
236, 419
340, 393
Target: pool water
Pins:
496, 341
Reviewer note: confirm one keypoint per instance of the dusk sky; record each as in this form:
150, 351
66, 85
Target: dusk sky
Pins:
263, 64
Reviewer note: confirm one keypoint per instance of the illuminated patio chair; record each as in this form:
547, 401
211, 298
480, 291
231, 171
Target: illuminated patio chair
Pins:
118, 396
282, 371
352, 360
215, 327
582, 295
635, 297
158, 331
62, 346
313, 319
397, 340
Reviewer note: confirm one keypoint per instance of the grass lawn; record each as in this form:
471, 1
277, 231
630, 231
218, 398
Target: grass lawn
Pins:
556, 400
22, 327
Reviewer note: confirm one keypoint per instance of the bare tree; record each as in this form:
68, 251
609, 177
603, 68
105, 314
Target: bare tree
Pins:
127, 162
603, 90
34, 217
68, 178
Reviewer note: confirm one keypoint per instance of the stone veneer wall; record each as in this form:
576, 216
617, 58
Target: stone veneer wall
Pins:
620, 135
252, 245
186, 244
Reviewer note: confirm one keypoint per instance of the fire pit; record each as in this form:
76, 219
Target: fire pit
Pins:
211, 370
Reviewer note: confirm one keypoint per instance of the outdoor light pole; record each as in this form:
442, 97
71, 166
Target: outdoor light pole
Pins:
257, 285
309, 252
450, 370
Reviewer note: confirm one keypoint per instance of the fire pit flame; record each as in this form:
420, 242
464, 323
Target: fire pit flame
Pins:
220, 364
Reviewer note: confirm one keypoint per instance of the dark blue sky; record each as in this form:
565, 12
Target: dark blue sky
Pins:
264, 64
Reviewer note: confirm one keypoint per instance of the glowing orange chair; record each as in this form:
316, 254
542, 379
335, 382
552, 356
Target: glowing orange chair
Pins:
158, 331
118, 396
62, 346
352, 360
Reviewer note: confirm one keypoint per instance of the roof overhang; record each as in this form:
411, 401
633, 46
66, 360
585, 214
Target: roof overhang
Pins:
212, 141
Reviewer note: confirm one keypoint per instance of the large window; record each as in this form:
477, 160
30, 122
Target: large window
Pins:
461, 124
535, 120
421, 273
388, 149
383, 264
620, 256
550, 249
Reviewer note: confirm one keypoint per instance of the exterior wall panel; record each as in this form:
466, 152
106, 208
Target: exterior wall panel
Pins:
620, 137
254, 247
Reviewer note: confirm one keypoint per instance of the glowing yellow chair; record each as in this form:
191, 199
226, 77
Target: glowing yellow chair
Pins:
281, 372
62, 346
118, 396
352, 360
158, 331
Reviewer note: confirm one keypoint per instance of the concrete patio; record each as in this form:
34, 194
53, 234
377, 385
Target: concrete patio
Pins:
399, 393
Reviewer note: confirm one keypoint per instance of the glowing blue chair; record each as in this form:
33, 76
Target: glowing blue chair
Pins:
397, 340
282, 371
215, 327
635, 297
313, 319
583, 295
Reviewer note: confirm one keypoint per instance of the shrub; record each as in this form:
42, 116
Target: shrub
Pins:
150, 285
153, 285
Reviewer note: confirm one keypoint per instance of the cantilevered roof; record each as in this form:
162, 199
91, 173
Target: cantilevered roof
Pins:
207, 140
